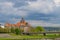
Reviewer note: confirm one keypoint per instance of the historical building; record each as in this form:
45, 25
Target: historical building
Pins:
22, 24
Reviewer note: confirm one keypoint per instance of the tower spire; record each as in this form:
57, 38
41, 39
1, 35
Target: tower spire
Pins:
22, 20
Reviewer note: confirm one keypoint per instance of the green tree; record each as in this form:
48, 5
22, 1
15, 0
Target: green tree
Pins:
12, 30
32, 29
40, 29
1, 30
17, 31
6, 30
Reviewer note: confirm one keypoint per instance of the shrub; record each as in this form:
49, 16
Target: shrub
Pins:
40, 29
17, 31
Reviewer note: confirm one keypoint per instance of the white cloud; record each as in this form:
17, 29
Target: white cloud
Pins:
41, 6
7, 4
57, 2
7, 8
42, 23
38, 6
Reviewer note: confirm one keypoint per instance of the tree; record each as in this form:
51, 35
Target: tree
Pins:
32, 29
12, 30
40, 29
17, 31
6, 30
1, 30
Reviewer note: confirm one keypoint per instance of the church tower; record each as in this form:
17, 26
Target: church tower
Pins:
22, 20
22, 23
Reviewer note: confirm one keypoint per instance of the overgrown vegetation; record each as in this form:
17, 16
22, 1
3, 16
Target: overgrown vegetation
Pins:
19, 30
37, 29
40, 29
12, 30
4, 30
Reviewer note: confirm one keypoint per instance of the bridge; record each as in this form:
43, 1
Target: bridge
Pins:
44, 33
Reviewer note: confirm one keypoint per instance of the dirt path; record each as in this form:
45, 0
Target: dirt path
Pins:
5, 35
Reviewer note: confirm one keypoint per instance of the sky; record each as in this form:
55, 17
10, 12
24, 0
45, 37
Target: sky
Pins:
44, 13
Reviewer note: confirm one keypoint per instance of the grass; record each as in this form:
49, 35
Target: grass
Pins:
17, 37
37, 36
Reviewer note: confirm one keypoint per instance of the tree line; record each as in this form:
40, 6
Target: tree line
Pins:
18, 31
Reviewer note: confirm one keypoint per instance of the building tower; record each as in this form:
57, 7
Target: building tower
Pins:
22, 20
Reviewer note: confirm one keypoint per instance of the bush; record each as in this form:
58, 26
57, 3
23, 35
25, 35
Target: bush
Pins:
40, 29
17, 31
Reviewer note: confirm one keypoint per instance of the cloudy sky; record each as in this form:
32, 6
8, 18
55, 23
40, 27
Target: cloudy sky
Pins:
36, 12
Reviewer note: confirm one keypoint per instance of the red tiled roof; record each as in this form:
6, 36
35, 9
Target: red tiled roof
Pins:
18, 24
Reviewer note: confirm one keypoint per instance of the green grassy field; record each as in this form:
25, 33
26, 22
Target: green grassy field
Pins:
17, 37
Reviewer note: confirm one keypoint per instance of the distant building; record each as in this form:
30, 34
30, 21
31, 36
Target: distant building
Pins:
21, 24
1, 26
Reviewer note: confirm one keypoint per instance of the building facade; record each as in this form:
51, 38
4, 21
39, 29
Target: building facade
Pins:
22, 24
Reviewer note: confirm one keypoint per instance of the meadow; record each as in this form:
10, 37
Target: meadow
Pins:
30, 37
